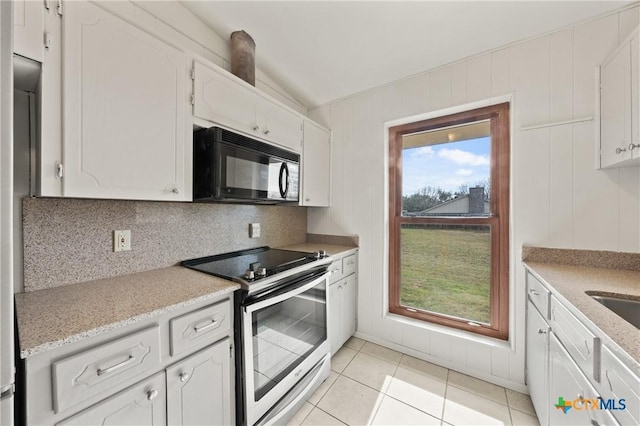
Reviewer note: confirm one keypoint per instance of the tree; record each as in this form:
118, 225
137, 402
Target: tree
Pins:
424, 199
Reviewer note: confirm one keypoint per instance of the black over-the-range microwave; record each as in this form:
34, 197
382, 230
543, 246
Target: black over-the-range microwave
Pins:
234, 168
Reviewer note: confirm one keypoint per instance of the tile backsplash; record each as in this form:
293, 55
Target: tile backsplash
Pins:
71, 240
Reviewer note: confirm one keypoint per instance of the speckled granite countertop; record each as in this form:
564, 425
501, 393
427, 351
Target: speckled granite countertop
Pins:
331, 249
54, 317
570, 283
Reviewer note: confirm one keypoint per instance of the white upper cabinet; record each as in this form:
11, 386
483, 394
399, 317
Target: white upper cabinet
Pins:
28, 28
222, 98
619, 135
316, 166
279, 125
125, 101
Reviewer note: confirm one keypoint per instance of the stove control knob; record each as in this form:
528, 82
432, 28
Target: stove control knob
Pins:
261, 272
323, 253
316, 255
249, 274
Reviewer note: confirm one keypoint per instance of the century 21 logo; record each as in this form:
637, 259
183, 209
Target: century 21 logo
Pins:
590, 404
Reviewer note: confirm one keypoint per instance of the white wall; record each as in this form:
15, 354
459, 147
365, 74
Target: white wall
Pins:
558, 198
183, 28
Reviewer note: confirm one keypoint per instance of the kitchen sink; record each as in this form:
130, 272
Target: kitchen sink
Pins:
628, 309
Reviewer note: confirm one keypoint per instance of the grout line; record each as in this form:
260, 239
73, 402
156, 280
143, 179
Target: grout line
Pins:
328, 414
446, 390
384, 393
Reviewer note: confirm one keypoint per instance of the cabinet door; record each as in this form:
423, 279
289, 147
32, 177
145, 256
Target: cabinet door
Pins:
348, 317
615, 108
316, 166
635, 97
141, 404
537, 351
568, 386
199, 388
28, 29
618, 383
221, 99
125, 103
334, 323
279, 125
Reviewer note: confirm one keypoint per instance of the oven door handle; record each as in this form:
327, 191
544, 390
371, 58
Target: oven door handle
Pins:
284, 296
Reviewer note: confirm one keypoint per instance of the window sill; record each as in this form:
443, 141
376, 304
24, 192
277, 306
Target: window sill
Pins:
448, 331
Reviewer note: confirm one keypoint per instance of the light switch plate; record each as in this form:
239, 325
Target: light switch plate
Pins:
122, 240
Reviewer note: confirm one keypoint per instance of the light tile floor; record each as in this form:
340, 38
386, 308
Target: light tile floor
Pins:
373, 385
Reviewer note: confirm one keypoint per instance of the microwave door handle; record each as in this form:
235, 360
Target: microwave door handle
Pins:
284, 170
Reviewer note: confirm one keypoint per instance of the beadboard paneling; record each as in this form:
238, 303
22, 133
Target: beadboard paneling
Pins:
559, 199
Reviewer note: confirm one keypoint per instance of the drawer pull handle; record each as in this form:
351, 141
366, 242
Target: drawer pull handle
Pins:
200, 329
533, 292
541, 331
184, 377
152, 394
118, 366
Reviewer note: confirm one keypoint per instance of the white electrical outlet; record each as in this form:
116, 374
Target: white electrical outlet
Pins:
254, 230
122, 240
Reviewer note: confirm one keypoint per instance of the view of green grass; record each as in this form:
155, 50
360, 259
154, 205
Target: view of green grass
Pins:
446, 271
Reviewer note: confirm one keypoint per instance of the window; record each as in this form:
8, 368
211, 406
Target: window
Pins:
449, 220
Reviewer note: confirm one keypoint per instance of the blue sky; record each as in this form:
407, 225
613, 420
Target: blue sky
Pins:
445, 166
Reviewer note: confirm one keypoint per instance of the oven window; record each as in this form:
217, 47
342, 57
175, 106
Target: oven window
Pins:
284, 334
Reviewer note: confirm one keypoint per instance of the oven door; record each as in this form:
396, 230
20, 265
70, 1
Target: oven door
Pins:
284, 337
245, 174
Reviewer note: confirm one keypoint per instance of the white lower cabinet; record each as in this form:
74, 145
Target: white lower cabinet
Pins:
142, 404
568, 386
569, 362
131, 376
198, 388
342, 302
619, 383
537, 362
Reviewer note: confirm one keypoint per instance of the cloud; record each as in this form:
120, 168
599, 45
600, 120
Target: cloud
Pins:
463, 157
425, 151
464, 172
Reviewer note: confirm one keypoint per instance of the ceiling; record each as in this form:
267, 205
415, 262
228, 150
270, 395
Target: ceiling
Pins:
322, 51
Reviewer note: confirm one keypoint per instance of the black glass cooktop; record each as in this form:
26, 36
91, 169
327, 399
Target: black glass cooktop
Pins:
234, 265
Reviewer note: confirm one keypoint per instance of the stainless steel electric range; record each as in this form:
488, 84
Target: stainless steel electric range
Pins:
281, 346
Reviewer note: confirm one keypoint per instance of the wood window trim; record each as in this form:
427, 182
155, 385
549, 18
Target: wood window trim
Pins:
498, 220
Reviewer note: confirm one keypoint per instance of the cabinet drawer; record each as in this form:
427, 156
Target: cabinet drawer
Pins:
576, 338
335, 271
349, 265
200, 328
103, 368
619, 382
538, 294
